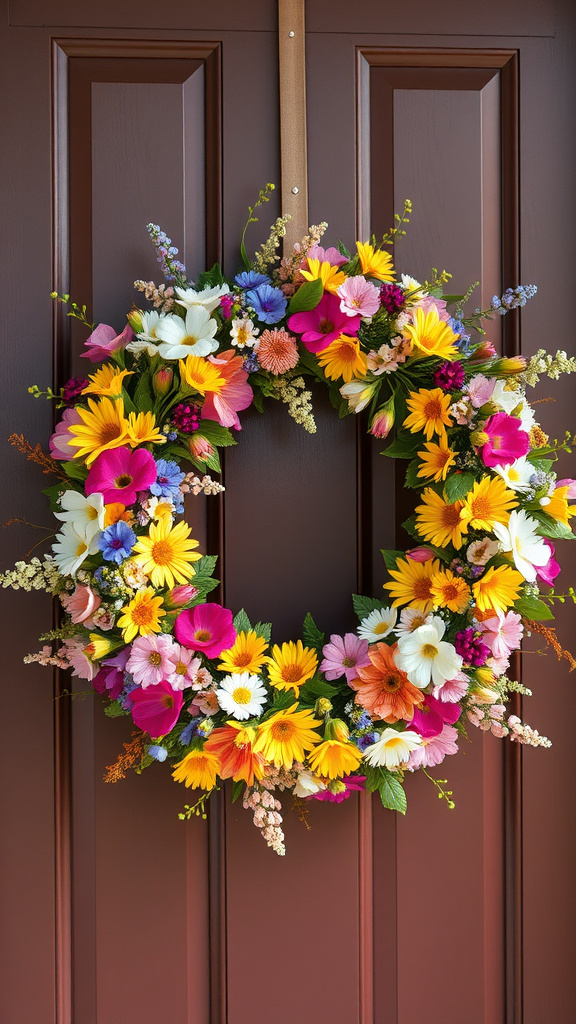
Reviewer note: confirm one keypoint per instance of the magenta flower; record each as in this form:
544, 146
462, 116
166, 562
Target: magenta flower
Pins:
104, 341
507, 441
118, 474
207, 628
59, 447
155, 710
342, 656
503, 633
434, 750
429, 719
351, 783
321, 326
359, 297
548, 573
110, 678
149, 660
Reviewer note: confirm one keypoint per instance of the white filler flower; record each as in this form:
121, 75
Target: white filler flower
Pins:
208, 298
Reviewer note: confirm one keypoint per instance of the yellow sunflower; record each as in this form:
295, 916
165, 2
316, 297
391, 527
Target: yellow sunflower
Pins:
436, 460
428, 412
245, 655
166, 554
142, 615
201, 375
489, 502
450, 591
411, 583
291, 665
330, 276
498, 588
333, 759
440, 522
375, 262
142, 429
108, 380
197, 770
103, 426
430, 335
286, 736
343, 358
558, 506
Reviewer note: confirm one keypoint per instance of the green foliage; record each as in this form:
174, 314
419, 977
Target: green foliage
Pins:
143, 397
115, 710
316, 687
550, 527
263, 629
242, 622
237, 790
307, 297
311, 635
216, 434
404, 446
533, 608
210, 278
364, 605
392, 792
412, 479
75, 470
457, 486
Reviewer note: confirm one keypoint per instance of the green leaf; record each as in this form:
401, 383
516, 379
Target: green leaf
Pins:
452, 298
216, 434
404, 446
53, 494
457, 486
543, 465
307, 297
550, 527
114, 710
263, 629
237, 790
143, 398
314, 688
392, 793
282, 699
410, 526
533, 608
374, 777
242, 622
212, 277
311, 635
75, 470
213, 462
364, 605
258, 401
412, 478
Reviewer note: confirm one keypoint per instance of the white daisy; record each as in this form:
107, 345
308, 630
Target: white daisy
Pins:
87, 513
193, 336
392, 749
208, 298
517, 475
241, 695
520, 537
410, 619
146, 339
377, 624
425, 657
72, 546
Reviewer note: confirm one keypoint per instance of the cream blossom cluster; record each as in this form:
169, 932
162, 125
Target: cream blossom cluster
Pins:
267, 252
294, 395
544, 364
33, 575
266, 816
526, 734
161, 297
195, 485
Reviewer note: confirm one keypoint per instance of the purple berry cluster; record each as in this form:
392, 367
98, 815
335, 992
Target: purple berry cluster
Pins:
186, 418
392, 298
449, 376
470, 647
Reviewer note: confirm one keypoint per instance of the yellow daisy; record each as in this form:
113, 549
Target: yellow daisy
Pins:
201, 375
558, 506
103, 426
440, 522
498, 588
166, 553
450, 591
100, 646
411, 583
428, 412
142, 429
333, 759
375, 262
286, 736
343, 358
489, 502
430, 335
108, 380
245, 655
198, 770
291, 665
142, 615
436, 460
330, 276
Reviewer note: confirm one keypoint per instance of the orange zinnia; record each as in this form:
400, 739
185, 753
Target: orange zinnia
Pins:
232, 745
383, 689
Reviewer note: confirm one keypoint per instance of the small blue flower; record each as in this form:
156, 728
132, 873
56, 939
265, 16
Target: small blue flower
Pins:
364, 741
268, 303
188, 731
169, 478
116, 542
158, 753
250, 279
250, 363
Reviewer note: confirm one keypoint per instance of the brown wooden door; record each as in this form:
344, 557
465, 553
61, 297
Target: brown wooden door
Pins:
114, 911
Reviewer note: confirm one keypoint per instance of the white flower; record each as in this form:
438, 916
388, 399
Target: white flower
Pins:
307, 784
377, 624
412, 288
392, 749
72, 546
241, 695
514, 402
520, 537
87, 513
358, 394
191, 337
208, 298
243, 332
424, 656
517, 474
146, 339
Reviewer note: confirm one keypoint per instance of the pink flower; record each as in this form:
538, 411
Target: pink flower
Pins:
359, 297
59, 447
81, 605
351, 782
183, 668
480, 390
548, 573
226, 303
506, 440
149, 660
434, 750
428, 302
155, 710
110, 678
200, 447
80, 663
430, 717
179, 596
420, 554
382, 421
120, 473
342, 656
571, 485
484, 351
104, 341
453, 689
207, 628
330, 255
321, 326
503, 633
235, 395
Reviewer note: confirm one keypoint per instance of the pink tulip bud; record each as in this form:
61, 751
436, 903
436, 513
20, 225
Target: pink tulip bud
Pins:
200, 447
180, 596
420, 554
162, 380
383, 420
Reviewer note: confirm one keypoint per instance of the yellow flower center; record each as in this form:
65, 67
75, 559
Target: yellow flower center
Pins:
282, 731
162, 552
123, 481
154, 658
242, 695
429, 651
392, 683
480, 508
347, 353
180, 669
202, 635
291, 673
450, 592
380, 627
433, 409
142, 614
242, 659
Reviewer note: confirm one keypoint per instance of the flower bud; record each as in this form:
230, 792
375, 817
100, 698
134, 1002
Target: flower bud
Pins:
336, 729
485, 695
383, 420
162, 380
322, 707
135, 320
358, 394
336, 786
205, 728
180, 596
479, 438
420, 554
509, 366
200, 447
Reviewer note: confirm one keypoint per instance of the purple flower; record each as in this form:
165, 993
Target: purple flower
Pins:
186, 418
392, 298
449, 376
342, 656
117, 542
268, 303
469, 646
226, 304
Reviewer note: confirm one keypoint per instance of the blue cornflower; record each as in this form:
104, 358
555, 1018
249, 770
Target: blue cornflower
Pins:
268, 303
169, 478
117, 541
250, 279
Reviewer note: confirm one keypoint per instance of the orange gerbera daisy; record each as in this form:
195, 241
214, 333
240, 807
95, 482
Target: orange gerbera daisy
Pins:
436, 460
450, 591
343, 358
383, 689
232, 745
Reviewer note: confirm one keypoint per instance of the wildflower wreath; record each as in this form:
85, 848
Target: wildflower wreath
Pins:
208, 691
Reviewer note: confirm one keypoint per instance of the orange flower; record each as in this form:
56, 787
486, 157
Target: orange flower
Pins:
232, 745
277, 351
383, 689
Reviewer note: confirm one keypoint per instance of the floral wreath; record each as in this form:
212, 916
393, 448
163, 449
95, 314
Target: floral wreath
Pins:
207, 691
